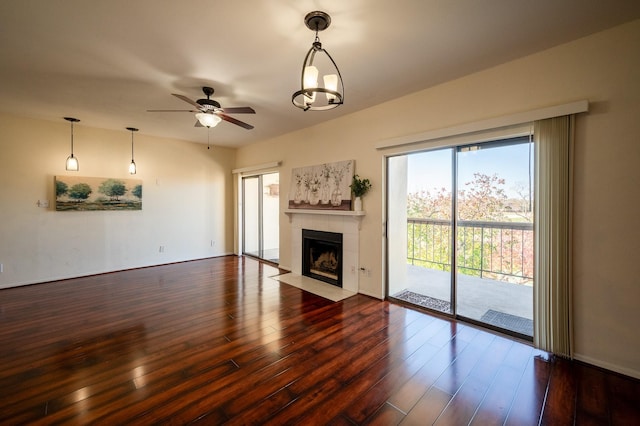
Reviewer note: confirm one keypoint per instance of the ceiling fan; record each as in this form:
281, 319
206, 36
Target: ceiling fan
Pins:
209, 112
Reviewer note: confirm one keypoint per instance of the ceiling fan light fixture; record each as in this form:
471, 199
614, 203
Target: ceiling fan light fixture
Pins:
208, 119
209, 112
333, 89
72, 164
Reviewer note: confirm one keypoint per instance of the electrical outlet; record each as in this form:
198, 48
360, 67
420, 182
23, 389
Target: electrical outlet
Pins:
213, 243
43, 203
161, 249
1, 268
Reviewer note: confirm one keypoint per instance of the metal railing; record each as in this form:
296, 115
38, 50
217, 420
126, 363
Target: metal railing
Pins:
497, 250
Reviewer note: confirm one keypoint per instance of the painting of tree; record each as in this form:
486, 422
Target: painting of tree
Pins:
137, 191
61, 188
76, 193
113, 188
80, 191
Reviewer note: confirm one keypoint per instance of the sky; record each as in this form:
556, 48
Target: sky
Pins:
432, 169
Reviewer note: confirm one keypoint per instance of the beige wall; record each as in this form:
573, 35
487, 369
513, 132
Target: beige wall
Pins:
602, 68
186, 191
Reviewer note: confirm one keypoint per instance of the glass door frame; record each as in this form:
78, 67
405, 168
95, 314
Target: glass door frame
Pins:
455, 150
260, 203
242, 234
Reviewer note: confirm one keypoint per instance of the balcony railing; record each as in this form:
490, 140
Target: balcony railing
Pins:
498, 250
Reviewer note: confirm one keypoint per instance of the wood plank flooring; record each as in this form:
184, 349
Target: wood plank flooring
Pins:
217, 341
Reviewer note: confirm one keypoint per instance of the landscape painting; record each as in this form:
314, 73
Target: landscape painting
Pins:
322, 187
75, 193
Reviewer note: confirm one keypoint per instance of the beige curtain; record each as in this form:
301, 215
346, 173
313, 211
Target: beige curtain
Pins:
552, 290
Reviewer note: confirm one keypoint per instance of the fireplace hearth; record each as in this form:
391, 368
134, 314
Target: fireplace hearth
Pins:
322, 256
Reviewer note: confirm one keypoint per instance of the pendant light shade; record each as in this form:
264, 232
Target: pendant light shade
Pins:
132, 165
313, 96
208, 119
72, 164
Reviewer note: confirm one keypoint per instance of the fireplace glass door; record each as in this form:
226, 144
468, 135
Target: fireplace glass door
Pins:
322, 256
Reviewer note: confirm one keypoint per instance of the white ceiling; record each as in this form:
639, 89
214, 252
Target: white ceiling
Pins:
107, 62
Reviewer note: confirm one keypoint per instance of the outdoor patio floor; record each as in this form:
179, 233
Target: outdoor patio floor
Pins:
478, 299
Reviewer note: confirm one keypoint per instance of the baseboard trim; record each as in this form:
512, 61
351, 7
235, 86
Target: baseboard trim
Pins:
284, 267
104, 272
608, 366
375, 296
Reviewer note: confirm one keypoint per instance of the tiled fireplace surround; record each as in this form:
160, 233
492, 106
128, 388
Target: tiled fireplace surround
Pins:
345, 222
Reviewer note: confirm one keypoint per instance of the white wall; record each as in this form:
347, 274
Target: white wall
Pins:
186, 193
602, 68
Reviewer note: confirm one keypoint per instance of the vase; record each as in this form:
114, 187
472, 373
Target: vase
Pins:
336, 197
314, 198
298, 197
326, 193
357, 204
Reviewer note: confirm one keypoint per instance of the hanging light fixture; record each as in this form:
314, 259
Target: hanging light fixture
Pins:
72, 162
208, 119
311, 95
132, 166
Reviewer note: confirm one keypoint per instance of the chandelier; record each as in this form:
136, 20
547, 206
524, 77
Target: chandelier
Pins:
313, 96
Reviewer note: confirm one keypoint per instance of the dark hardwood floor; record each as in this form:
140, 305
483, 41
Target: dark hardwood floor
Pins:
217, 341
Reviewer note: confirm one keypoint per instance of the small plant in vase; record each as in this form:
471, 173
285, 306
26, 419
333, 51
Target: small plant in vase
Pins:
359, 187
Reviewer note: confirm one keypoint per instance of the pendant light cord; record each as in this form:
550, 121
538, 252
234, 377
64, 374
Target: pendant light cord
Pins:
72, 138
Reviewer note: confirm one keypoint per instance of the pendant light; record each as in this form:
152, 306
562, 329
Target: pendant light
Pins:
132, 166
72, 162
311, 95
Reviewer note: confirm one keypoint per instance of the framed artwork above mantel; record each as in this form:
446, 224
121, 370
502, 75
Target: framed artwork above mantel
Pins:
322, 187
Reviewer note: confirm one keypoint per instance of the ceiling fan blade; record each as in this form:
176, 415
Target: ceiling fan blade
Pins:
234, 121
239, 110
184, 98
171, 110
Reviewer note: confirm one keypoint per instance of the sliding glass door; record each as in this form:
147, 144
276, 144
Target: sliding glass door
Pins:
260, 221
494, 266
468, 206
421, 229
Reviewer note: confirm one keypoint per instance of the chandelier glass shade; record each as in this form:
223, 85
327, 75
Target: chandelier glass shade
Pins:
312, 95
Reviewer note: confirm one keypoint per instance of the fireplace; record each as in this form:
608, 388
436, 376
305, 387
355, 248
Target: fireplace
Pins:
322, 256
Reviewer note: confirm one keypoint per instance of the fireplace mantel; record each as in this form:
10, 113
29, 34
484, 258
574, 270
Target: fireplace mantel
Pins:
349, 213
